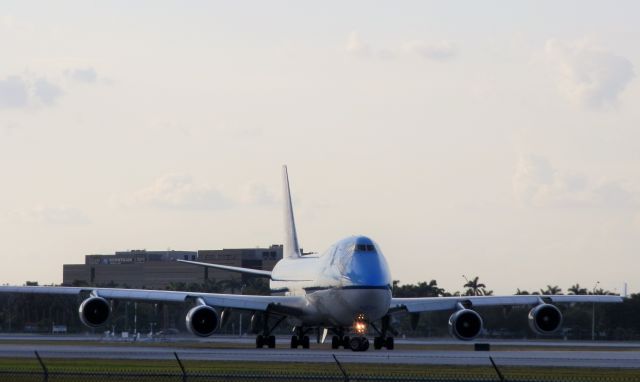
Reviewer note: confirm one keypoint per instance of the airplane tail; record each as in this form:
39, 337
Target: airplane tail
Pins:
291, 247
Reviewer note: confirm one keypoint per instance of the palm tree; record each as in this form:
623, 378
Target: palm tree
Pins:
231, 284
475, 288
176, 286
551, 290
576, 289
422, 289
522, 292
600, 291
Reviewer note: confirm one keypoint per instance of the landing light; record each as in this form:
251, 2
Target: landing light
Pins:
360, 327
360, 324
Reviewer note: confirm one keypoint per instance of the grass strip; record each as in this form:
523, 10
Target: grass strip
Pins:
155, 368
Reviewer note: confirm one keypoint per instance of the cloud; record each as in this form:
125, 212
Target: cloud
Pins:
357, 47
17, 92
589, 76
536, 183
58, 215
439, 51
24, 92
435, 51
14, 93
181, 192
46, 91
86, 75
258, 194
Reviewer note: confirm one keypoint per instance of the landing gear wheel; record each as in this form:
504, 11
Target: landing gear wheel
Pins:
388, 343
346, 342
377, 343
305, 342
294, 342
354, 344
359, 344
271, 342
335, 342
260, 341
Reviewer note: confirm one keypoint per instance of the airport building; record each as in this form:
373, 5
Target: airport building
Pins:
158, 269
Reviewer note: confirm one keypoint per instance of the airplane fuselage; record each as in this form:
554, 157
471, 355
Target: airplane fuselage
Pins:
350, 279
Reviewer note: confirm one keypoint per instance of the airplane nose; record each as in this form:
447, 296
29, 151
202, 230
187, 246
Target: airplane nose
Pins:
368, 269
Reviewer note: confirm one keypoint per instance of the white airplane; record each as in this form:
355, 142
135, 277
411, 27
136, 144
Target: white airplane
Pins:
344, 291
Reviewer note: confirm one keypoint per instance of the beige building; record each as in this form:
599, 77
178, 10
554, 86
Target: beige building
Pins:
158, 269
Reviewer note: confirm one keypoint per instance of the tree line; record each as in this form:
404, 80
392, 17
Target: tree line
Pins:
38, 313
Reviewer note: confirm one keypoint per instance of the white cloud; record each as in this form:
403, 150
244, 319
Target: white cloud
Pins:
17, 92
258, 194
58, 215
357, 47
536, 183
26, 91
436, 51
181, 192
14, 93
86, 75
439, 51
46, 91
590, 76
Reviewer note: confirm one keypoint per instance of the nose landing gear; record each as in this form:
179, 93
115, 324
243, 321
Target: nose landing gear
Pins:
359, 344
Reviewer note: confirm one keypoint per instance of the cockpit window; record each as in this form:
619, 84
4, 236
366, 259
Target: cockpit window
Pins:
365, 248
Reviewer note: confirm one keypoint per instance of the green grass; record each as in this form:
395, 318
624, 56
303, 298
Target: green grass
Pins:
296, 369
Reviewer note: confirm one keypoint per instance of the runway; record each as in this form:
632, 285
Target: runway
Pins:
586, 358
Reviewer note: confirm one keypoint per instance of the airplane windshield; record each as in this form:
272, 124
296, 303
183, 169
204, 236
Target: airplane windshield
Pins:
365, 248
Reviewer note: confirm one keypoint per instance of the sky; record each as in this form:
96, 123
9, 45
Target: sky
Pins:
496, 139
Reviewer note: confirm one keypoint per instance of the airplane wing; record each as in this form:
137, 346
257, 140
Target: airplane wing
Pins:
428, 304
250, 271
288, 305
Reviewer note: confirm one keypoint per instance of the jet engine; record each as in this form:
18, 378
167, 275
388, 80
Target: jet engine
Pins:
545, 319
94, 311
465, 324
202, 320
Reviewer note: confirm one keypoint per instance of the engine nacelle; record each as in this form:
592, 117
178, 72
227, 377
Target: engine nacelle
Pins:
545, 319
465, 324
94, 311
202, 320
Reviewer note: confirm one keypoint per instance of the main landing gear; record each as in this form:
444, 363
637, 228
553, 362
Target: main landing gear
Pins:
266, 338
382, 342
269, 341
300, 339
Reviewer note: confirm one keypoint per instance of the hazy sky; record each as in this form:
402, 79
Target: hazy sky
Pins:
498, 139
